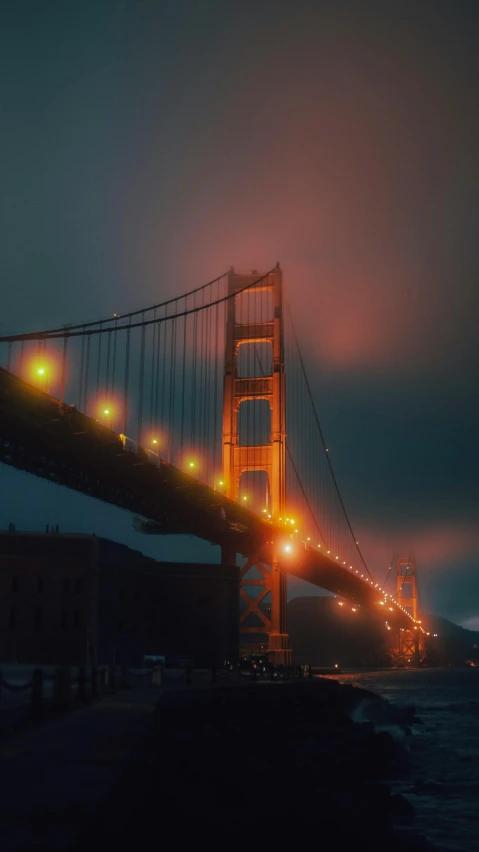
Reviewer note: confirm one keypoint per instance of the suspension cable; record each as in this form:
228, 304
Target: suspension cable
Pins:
58, 334
73, 327
310, 395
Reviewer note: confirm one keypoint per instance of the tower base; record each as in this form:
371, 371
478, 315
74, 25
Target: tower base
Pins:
279, 651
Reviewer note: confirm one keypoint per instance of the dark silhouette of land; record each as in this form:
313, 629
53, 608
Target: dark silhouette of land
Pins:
323, 634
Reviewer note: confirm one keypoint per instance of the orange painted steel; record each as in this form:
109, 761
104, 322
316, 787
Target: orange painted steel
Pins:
270, 457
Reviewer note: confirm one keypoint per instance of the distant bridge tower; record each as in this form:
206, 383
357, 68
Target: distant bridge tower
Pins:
409, 645
256, 621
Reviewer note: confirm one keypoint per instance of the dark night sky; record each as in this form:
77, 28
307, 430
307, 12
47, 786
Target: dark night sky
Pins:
147, 146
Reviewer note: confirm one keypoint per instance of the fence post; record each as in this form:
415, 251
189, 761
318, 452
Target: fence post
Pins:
94, 682
111, 678
81, 693
102, 680
36, 709
61, 689
213, 675
156, 676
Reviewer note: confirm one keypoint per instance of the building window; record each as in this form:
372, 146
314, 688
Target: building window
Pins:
64, 619
14, 584
78, 585
76, 619
66, 585
38, 620
12, 617
40, 585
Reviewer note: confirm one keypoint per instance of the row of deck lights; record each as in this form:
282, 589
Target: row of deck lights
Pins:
288, 549
41, 373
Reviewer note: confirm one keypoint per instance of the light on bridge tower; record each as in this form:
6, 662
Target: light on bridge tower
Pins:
271, 457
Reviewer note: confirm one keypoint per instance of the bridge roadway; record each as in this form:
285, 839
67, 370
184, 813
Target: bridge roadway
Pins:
55, 441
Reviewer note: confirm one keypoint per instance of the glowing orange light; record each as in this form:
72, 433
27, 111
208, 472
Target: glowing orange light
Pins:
41, 371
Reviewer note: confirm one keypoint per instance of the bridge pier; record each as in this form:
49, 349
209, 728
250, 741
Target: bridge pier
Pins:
260, 626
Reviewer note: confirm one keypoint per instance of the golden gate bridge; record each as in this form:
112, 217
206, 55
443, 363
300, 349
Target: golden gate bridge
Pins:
197, 415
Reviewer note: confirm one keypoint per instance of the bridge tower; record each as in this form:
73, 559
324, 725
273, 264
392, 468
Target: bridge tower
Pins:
408, 648
239, 457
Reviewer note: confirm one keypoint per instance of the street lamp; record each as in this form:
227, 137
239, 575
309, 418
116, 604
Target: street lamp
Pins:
40, 373
106, 413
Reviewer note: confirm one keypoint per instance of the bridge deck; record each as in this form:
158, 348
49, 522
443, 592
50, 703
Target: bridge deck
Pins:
57, 442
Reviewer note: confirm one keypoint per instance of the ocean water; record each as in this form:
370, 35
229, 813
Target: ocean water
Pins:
444, 751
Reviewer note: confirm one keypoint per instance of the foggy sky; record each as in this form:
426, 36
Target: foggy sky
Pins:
148, 146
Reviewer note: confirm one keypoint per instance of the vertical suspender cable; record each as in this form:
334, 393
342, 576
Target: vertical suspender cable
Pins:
125, 384
207, 392
64, 369
172, 390
107, 378
87, 367
98, 365
215, 386
157, 384
201, 400
80, 403
163, 378
141, 377
193, 375
113, 369
152, 377
183, 379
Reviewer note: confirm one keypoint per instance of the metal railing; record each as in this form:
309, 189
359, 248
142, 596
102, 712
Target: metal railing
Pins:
50, 692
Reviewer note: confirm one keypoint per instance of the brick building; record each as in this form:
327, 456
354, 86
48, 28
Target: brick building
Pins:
79, 599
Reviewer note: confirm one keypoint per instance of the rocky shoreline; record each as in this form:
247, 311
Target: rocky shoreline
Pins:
272, 763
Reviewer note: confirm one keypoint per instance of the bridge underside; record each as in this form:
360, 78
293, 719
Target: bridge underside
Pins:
42, 436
